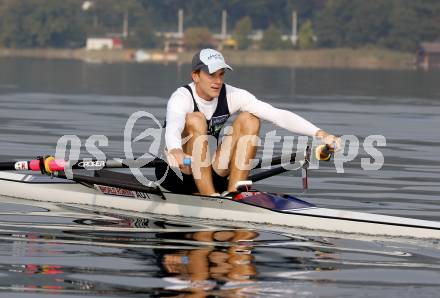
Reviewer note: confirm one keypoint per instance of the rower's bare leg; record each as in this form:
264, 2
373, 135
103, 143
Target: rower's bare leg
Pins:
238, 153
196, 126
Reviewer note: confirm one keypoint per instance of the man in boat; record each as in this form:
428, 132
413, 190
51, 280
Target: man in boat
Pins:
201, 109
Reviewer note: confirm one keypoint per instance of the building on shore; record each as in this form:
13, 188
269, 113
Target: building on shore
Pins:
428, 55
103, 43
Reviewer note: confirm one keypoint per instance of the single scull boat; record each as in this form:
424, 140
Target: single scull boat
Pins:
122, 191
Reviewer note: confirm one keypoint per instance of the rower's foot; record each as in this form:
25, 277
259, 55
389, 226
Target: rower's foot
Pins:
244, 185
227, 194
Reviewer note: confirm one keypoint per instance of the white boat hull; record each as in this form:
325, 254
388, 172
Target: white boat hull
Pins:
314, 218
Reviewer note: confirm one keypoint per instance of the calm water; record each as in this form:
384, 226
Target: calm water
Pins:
74, 251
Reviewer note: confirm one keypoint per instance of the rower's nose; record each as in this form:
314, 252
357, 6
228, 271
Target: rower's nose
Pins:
218, 80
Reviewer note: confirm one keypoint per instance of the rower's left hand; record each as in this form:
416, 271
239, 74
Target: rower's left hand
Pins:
176, 159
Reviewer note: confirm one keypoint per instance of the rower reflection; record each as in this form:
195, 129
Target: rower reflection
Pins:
225, 258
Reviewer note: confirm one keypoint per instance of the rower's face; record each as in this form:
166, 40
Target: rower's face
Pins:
208, 85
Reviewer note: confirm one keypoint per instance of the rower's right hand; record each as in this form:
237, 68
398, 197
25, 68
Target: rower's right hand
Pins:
176, 159
333, 142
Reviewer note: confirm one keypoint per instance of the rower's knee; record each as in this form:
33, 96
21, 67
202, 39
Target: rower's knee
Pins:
248, 123
196, 122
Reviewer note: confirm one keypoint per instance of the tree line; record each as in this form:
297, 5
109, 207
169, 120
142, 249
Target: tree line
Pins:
394, 24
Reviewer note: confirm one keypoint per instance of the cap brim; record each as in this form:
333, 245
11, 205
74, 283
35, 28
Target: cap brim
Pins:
216, 66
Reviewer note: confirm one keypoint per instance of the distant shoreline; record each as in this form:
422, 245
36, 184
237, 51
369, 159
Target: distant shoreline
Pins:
365, 58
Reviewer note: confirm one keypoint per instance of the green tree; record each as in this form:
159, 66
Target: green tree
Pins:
107, 16
242, 30
41, 23
142, 35
331, 23
412, 22
368, 24
272, 39
198, 37
306, 36
353, 23
396, 24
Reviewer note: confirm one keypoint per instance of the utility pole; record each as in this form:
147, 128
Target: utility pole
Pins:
294, 37
180, 25
125, 25
224, 24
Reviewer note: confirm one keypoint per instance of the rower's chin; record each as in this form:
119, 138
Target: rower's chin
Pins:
215, 93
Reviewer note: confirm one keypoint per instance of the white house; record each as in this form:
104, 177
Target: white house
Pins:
103, 43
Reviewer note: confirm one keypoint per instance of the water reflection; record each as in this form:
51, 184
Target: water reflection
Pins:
110, 254
204, 263
43, 278
225, 258
92, 254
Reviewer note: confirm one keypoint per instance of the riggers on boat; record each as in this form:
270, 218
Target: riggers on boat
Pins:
122, 191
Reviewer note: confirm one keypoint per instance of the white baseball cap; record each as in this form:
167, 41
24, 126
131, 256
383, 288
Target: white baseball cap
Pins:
209, 60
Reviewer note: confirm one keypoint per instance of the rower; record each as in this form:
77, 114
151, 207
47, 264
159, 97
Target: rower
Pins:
201, 109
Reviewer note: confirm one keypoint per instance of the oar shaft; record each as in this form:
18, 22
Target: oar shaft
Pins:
50, 164
267, 174
7, 166
277, 160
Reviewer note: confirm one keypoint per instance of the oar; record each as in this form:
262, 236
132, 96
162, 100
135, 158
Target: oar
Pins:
322, 152
112, 182
267, 174
49, 164
282, 168
277, 160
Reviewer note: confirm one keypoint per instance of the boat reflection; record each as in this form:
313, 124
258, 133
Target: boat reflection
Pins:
52, 282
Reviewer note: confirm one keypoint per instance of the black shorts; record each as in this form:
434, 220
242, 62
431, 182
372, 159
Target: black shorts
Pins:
173, 183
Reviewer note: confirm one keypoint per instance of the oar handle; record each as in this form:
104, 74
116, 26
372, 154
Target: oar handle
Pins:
323, 152
46, 164
187, 161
